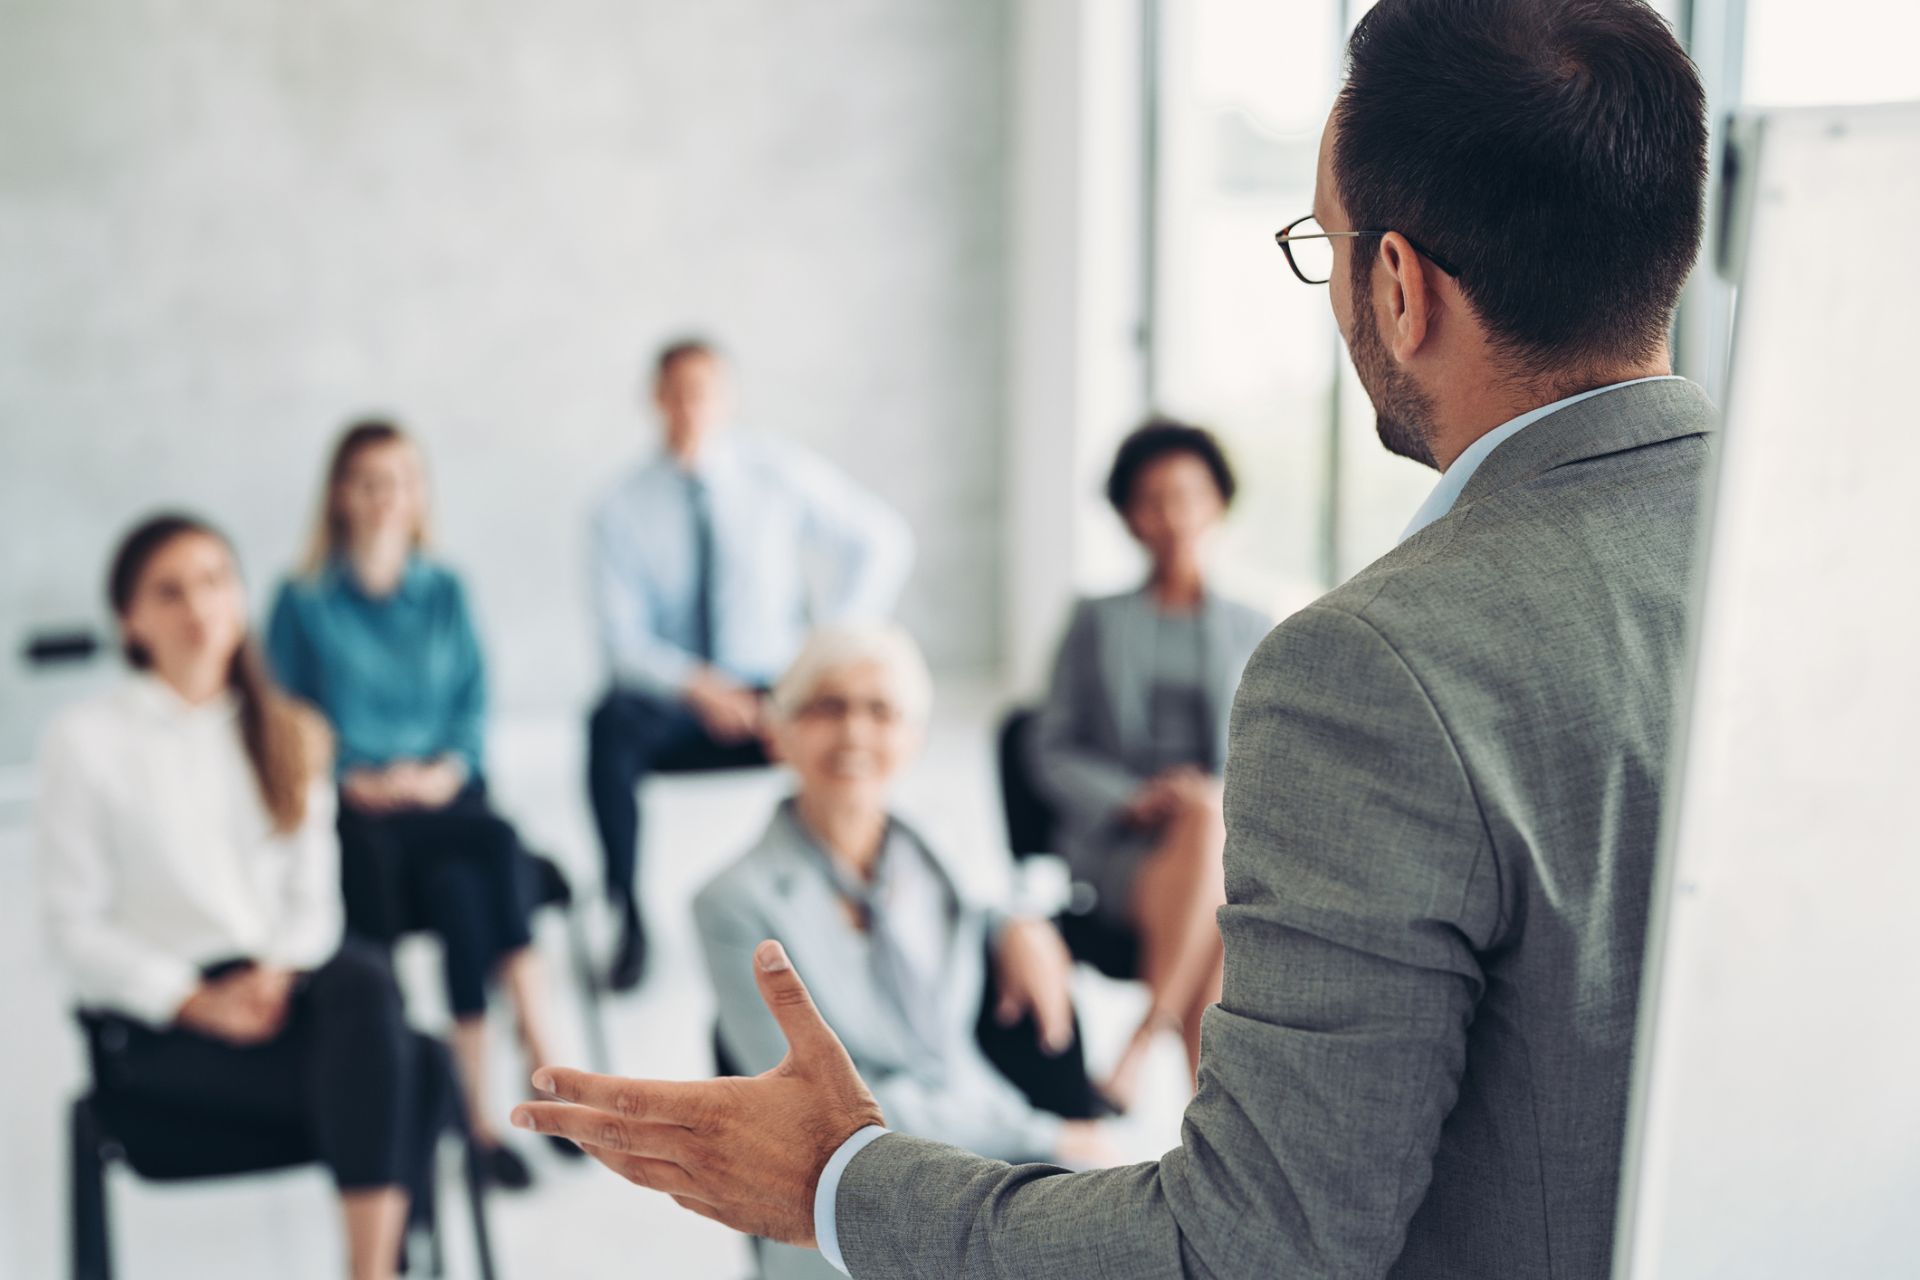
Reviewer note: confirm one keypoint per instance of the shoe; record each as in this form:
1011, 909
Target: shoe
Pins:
630, 958
566, 1147
502, 1167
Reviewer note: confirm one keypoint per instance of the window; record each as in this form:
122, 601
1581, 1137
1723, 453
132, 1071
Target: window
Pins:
1239, 345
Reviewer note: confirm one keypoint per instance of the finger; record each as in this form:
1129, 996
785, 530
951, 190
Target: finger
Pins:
1006, 1011
600, 1132
656, 1101
808, 1035
663, 1176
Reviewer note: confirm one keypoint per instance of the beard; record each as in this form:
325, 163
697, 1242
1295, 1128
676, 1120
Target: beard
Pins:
1403, 413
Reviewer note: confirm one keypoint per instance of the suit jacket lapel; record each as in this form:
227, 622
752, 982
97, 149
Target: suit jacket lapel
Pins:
1123, 638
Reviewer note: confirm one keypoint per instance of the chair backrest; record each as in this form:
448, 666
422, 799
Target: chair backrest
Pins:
1031, 822
544, 883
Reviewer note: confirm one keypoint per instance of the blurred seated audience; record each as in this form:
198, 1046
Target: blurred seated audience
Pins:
378, 636
190, 874
896, 958
710, 560
1130, 743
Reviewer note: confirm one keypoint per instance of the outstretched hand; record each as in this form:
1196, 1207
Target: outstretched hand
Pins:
743, 1151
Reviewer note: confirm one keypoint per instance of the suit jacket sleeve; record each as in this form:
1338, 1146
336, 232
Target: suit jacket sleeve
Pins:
1087, 785
1360, 884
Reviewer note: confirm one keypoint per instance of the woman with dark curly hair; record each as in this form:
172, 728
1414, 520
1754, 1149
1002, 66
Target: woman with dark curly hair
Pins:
1130, 743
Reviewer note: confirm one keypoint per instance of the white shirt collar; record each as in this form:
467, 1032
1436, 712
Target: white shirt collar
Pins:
1453, 481
156, 697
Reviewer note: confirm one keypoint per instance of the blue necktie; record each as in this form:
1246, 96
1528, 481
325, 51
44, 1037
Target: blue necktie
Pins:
703, 614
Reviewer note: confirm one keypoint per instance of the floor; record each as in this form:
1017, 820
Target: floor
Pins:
579, 1222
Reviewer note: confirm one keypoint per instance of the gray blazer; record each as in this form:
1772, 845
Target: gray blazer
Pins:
1090, 749
1443, 790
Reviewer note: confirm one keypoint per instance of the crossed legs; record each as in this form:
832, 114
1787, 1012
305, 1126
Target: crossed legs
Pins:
1172, 905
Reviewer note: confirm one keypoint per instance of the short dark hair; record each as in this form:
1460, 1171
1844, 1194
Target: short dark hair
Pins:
1161, 438
682, 349
1553, 152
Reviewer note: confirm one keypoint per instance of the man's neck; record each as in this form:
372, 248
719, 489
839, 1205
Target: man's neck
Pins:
1484, 406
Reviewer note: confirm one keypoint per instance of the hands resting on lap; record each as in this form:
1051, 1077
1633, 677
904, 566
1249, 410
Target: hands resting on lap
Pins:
248, 1006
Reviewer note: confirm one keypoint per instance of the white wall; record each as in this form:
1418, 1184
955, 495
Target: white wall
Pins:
225, 227
1074, 359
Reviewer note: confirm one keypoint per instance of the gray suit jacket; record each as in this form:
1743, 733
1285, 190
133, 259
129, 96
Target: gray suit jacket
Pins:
1091, 747
1443, 789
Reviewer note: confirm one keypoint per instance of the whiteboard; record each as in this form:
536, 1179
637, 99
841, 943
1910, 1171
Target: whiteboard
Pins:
1775, 1124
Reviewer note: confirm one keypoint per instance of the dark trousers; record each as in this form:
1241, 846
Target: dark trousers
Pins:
456, 872
342, 1071
1052, 1082
630, 736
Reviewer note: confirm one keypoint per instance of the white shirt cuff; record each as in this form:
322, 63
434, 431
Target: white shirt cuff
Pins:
825, 1232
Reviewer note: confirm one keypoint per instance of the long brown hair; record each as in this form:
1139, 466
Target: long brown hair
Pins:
329, 534
286, 743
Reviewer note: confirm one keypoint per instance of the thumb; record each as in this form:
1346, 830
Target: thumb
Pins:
809, 1038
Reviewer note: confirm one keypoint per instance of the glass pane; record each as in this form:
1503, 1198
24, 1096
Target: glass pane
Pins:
1240, 344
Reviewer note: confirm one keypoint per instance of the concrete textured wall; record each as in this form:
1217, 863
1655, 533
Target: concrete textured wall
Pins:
227, 226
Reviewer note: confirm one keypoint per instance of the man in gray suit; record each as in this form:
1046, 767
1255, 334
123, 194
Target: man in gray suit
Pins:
1444, 780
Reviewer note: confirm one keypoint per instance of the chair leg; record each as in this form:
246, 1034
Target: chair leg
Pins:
588, 984
92, 1257
476, 1196
426, 1217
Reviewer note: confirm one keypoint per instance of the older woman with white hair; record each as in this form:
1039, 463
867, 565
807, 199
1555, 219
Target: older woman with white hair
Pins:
895, 956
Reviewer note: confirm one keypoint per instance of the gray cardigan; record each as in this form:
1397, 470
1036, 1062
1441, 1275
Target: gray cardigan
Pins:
1444, 790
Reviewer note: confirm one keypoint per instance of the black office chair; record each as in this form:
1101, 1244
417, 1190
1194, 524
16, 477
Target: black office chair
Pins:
172, 1144
1031, 829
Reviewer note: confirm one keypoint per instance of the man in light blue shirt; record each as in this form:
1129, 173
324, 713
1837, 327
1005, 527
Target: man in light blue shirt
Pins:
711, 560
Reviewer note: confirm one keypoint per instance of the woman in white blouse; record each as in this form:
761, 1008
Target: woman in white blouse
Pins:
191, 881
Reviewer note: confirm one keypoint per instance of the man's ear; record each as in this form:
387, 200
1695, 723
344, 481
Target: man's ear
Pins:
1406, 300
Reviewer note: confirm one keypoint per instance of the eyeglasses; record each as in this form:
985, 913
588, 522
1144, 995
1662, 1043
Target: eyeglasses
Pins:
1309, 250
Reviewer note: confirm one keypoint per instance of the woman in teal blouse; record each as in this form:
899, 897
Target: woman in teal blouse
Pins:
380, 639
